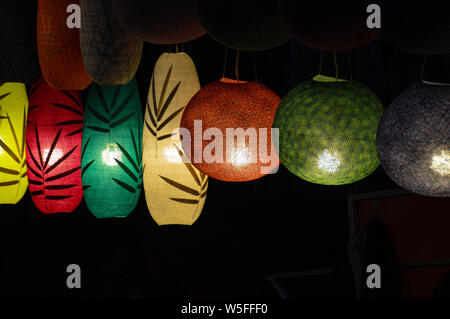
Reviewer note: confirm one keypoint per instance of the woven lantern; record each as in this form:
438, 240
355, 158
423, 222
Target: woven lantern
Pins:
174, 189
59, 47
160, 21
111, 56
13, 121
111, 165
417, 27
18, 52
248, 107
413, 139
55, 121
249, 25
328, 129
327, 25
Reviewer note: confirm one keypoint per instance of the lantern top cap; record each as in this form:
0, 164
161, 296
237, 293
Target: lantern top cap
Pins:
324, 78
434, 83
232, 81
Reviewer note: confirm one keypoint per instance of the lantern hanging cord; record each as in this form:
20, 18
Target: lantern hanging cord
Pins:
254, 66
320, 62
176, 48
349, 60
225, 62
422, 73
335, 64
236, 68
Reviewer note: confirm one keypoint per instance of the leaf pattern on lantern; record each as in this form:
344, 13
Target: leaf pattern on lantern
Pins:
17, 151
157, 111
201, 180
44, 171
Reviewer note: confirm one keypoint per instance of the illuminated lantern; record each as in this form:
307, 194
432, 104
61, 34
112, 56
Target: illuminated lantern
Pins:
13, 121
327, 25
111, 56
413, 139
245, 151
18, 53
111, 165
416, 27
249, 25
55, 121
175, 190
59, 46
160, 21
328, 130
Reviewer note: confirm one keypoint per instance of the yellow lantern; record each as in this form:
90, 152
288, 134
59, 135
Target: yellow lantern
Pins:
13, 121
175, 190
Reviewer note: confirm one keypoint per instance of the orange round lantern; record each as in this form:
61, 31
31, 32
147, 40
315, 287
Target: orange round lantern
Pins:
226, 130
59, 47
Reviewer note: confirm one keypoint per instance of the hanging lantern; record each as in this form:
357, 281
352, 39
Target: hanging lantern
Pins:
327, 25
160, 21
111, 165
416, 27
237, 116
18, 54
327, 131
13, 121
55, 122
249, 25
111, 55
59, 47
175, 190
413, 139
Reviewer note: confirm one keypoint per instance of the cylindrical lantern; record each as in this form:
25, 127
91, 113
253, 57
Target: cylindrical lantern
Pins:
111, 56
18, 50
111, 159
229, 124
55, 122
328, 130
415, 26
13, 122
327, 25
174, 189
413, 139
249, 25
160, 21
58, 41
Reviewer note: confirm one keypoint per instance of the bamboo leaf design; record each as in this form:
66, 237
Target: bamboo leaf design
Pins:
126, 170
122, 106
68, 108
97, 115
49, 155
180, 186
122, 120
4, 95
185, 201
125, 186
129, 158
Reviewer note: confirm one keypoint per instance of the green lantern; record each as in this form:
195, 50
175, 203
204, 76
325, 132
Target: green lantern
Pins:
111, 164
328, 130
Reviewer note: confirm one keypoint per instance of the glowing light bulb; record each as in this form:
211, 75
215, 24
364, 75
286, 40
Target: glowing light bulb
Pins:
329, 162
171, 155
110, 154
240, 156
441, 163
54, 157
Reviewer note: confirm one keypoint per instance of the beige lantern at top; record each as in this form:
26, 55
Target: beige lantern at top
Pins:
175, 190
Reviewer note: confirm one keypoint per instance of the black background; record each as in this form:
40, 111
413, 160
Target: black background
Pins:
278, 223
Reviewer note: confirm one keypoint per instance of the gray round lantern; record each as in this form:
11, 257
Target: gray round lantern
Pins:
413, 139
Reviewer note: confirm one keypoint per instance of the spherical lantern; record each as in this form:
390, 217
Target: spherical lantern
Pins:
328, 129
229, 124
111, 56
53, 140
417, 27
59, 47
413, 139
249, 25
174, 189
327, 25
18, 52
160, 21
13, 122
111, 165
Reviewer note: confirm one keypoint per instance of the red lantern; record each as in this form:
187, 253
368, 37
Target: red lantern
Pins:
237, 117
55, 121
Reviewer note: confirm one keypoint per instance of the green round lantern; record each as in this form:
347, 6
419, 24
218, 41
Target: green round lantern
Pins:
328, 130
